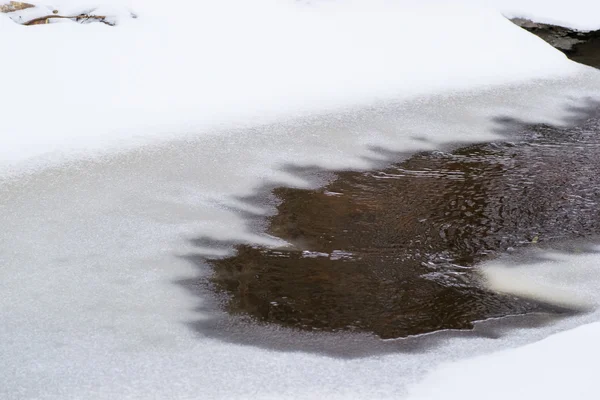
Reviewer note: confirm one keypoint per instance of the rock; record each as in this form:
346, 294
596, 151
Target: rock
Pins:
30, 14
580, 46
14, 6
558, 36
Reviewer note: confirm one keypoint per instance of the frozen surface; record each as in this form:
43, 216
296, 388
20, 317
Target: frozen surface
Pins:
168, 119
89, 256
577, 14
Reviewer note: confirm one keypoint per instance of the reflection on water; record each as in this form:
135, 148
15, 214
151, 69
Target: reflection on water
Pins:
391, 251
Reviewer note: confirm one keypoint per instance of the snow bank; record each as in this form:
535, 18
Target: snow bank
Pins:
183, 68
563, 366
576, 14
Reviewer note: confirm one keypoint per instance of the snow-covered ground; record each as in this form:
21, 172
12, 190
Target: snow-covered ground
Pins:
119, 144
558, 367
186, 68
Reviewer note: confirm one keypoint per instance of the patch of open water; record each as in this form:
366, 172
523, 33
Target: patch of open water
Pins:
392, 251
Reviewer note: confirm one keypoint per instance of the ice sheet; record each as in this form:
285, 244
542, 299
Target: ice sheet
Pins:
89, 255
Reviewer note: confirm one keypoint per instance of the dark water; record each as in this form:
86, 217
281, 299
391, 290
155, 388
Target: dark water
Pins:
588, 52
391, 251
582, 47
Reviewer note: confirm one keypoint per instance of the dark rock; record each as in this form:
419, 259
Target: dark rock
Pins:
579, 46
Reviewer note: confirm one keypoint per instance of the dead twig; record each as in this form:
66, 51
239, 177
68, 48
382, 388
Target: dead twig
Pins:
77, 18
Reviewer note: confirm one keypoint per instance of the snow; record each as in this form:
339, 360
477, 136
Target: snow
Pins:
120, 144
511, 281
559, 367
576, 14
193, 67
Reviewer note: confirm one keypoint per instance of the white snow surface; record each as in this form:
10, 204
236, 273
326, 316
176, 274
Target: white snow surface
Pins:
119, 144
185, 68
558, 367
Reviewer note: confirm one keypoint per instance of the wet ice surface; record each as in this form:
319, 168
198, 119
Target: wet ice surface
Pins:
92, 254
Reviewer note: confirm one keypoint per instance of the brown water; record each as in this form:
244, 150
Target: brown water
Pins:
391, 251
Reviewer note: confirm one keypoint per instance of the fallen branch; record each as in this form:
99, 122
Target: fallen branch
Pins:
77, 18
